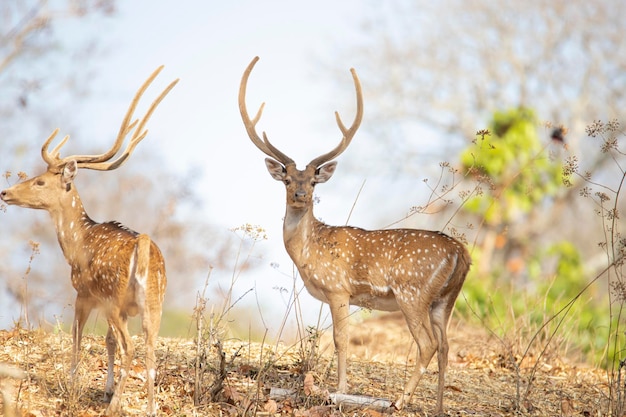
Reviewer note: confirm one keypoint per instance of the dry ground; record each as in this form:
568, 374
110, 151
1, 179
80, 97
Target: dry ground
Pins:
481, 378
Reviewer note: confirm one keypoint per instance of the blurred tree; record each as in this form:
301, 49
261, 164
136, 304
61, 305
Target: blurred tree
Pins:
30, 51
440, 69
521, 180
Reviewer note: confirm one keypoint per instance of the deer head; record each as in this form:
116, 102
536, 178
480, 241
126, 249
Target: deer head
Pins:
49, 190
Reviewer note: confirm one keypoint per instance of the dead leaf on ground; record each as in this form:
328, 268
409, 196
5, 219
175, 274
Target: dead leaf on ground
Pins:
231, 395
318, 411
271, 406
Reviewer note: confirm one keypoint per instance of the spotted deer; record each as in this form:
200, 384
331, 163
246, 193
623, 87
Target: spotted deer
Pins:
113, 268
418, 272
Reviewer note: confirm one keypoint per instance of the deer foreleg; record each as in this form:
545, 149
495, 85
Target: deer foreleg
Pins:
340, 311
82, 308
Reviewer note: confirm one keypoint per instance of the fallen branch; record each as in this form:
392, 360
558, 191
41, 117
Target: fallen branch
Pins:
343, 400
361, 401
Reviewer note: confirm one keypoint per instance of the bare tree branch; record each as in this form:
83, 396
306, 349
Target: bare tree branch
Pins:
450, 64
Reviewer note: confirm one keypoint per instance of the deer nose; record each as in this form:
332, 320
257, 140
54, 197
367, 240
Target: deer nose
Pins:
300, 194
3, 194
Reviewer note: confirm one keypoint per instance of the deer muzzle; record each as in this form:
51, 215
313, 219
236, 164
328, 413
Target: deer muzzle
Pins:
4, 196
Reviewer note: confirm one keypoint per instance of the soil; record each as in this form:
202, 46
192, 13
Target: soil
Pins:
486, 377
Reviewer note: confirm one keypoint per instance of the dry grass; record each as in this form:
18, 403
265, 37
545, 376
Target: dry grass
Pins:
479, 381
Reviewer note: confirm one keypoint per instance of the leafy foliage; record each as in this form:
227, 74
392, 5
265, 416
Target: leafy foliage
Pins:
512, 158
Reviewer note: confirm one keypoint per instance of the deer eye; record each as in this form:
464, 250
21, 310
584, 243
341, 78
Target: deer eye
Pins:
287, 181
40, 182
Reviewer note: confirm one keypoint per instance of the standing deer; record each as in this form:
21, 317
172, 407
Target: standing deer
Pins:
418, 272
112, 267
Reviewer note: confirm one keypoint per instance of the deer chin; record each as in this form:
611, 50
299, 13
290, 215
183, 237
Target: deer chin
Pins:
299, 204
18, 204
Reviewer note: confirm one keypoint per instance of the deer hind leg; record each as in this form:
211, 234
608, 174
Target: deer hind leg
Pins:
151, 315
119, 329
419, 324
439, 317
111, 344
151, 322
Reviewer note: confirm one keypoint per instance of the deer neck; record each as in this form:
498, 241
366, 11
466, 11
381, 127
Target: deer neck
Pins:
70, 221
298, 229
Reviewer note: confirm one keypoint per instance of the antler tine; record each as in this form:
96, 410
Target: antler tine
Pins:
52, 158
264, 145
348, 134
99, 162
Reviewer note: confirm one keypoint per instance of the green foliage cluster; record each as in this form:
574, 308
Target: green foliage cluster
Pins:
511, 158
523, 180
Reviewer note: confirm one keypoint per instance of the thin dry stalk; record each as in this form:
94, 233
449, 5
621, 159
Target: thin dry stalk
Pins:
34, 246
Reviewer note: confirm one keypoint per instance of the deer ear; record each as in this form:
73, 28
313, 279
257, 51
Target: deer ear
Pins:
324, 172
69, 172
276, 169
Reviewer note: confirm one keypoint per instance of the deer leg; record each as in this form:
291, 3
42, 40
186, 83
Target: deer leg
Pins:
82, 308
111, 344
151, 324
340, 311
151, 314
420, 326
439, 316
118, 327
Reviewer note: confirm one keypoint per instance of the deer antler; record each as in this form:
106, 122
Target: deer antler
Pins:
99, 162
264, 145
348, 134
